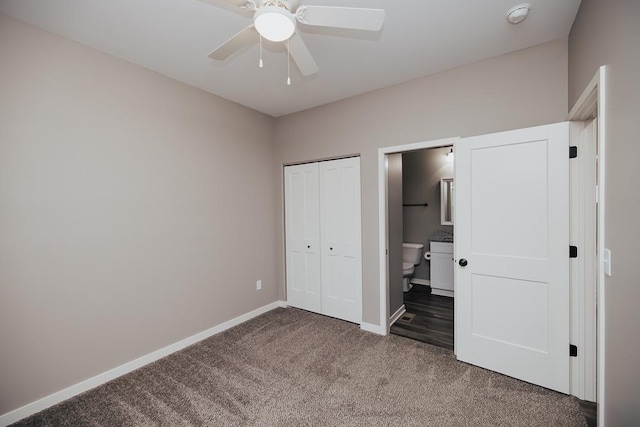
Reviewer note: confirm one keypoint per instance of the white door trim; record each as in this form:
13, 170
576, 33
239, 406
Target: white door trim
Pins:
583, 215
592, 103
382, 220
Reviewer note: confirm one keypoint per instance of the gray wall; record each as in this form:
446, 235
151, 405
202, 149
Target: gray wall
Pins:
609, 33
135, 211
521, 89
422, 171
132, 207
394, 230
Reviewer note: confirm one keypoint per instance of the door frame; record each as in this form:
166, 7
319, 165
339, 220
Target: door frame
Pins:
590, 104
383, 328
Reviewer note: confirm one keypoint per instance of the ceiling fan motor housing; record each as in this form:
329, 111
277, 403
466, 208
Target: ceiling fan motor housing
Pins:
274, 23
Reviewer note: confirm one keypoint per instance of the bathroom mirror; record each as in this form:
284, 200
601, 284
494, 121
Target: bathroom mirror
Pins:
446, 201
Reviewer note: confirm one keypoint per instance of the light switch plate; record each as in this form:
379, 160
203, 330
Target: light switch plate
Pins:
607, 261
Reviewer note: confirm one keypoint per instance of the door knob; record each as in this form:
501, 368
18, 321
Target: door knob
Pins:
308, 247
330, 249
463, 262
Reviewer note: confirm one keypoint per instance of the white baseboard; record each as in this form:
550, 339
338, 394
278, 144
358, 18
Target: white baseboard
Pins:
375, 329
399, 312
74, 390
442, 292
434, 291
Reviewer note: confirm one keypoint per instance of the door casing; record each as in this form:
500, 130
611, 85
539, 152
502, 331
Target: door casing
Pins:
383, 327
592, 103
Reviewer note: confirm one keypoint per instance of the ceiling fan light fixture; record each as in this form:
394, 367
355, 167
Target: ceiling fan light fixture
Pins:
274, 23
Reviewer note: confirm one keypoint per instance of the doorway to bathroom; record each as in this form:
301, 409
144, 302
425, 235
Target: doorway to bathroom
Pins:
421, 223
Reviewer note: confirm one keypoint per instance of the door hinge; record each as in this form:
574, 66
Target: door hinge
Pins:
573, 152
573, 350
573, 252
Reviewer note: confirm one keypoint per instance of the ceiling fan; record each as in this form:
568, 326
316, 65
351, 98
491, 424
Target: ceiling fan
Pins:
276, 20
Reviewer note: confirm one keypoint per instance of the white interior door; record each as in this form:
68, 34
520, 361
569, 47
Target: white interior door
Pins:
512, 228
302, 230
340, 238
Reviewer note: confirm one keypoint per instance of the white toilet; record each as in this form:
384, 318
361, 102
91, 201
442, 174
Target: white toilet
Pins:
411, 256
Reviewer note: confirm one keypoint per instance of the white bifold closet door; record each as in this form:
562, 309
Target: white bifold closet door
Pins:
323, 254
340, 239
302, 229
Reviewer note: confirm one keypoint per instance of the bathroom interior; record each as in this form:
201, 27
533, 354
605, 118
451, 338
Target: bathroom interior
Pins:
427, 249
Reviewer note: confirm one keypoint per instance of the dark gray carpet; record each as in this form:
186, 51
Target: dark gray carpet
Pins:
293, 368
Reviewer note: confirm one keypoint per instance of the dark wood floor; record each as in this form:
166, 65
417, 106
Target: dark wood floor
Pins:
590, 411
429, 318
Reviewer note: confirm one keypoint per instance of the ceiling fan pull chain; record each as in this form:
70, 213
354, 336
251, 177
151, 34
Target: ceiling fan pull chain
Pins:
288, 63
260, 63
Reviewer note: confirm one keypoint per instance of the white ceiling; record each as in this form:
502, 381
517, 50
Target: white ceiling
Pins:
419, 37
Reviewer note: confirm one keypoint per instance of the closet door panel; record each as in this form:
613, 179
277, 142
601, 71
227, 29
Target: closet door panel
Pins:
302, 229
341, 262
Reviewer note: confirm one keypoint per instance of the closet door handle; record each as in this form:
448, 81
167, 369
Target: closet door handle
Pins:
330, 249
308, 246
463, 262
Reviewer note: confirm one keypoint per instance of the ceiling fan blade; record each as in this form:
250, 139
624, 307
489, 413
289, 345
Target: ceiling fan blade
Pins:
301, 56
243, 38
341, 17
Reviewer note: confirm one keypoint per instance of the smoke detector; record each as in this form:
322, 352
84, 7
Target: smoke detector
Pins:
518, 13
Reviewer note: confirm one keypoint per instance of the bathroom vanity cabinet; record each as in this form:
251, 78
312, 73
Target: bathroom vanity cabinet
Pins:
442, 265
